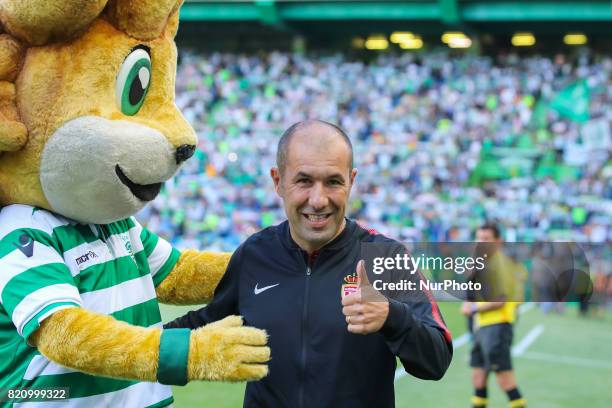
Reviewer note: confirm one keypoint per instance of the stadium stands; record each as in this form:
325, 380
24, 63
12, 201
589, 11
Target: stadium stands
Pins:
441, 143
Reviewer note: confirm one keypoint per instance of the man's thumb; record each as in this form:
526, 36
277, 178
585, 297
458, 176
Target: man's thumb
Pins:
362, 276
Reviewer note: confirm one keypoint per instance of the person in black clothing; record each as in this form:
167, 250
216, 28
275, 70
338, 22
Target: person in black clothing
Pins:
328, 350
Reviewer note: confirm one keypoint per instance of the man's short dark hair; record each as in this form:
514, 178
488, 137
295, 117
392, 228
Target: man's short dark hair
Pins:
489, 226
282, 151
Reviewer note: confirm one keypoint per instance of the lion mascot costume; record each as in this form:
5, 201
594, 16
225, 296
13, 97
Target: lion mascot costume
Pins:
88, 133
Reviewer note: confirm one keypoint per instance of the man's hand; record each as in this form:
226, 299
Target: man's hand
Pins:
366, 310
467, 308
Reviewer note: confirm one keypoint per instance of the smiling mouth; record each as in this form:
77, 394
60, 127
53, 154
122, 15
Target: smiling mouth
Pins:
317, 220
143, 192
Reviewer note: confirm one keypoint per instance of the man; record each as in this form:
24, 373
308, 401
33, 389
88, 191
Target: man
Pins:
493, 321
287, 279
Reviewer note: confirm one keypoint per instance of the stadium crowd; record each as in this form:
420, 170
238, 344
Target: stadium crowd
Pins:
441, 144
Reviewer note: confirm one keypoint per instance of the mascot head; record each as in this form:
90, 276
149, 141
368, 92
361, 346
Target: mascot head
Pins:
88, 125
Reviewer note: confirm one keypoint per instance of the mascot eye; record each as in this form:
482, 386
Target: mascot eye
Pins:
133, 81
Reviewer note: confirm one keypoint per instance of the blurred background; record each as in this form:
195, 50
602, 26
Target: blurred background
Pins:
460, 112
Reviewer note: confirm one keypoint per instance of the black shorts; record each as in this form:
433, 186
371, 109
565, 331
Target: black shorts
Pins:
491, 348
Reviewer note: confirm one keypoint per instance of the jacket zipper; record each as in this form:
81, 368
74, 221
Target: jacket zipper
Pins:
304, 336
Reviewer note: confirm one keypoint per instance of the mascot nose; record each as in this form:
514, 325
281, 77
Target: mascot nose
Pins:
184, 152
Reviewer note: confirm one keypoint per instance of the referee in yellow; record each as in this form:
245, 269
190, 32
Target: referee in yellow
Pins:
493, 321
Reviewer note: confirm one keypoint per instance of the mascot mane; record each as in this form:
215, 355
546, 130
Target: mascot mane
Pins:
25, 24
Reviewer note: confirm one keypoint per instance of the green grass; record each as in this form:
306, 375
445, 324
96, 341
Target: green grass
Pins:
569, 365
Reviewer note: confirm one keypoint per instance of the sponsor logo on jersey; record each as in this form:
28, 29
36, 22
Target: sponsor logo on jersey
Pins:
85, 257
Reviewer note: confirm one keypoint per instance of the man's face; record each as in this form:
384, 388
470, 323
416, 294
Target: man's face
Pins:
487, 235
315, 186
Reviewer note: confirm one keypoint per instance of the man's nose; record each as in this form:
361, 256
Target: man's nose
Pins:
318, 198
184, 152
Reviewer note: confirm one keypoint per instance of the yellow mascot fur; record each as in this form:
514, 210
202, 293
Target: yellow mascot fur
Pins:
88, 133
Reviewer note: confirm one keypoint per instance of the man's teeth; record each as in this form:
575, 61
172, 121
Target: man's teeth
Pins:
312, 217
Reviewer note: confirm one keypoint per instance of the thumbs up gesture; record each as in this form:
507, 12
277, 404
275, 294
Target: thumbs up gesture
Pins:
366, 310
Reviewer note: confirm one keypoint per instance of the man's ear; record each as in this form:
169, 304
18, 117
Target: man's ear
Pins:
353, 175
275, 174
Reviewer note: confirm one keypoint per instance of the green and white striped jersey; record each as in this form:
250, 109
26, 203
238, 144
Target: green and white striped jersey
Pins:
49, 263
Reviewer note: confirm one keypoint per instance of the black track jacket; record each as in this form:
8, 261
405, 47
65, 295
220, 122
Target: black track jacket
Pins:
315, 361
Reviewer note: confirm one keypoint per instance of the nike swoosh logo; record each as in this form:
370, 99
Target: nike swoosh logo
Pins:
26, 245
257, 290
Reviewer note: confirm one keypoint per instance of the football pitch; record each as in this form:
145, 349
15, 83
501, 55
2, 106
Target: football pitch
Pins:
561, 361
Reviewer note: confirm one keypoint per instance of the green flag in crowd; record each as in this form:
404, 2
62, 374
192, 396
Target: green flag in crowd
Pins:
488, 168
573, 102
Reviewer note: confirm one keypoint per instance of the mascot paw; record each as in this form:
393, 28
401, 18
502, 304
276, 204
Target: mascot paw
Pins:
228, 351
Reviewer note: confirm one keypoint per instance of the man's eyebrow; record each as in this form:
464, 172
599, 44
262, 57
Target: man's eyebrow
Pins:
301, 174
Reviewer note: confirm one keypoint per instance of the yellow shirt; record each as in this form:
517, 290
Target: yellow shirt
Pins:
505, 314
505, 278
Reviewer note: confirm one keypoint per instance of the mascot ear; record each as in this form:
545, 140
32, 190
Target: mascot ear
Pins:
13, 133
39, 22
144, 19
